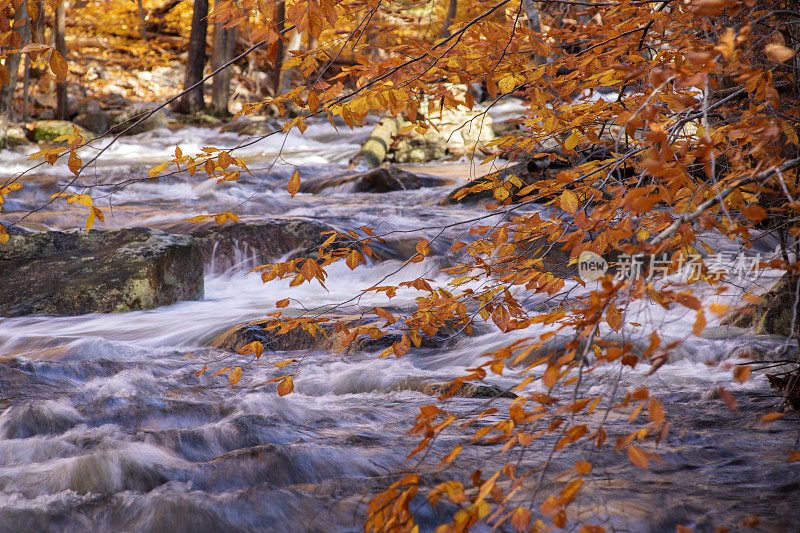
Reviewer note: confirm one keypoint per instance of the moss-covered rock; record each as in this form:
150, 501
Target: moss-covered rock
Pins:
77, 272
13, 136
50, 130
773, 314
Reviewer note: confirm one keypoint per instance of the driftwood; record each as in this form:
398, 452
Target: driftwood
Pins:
375, 148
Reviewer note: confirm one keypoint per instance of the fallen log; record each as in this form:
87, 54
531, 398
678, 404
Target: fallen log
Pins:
375, 148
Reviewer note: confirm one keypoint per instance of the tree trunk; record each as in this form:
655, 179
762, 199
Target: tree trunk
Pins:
142, 14
59, 32
224, 45
533, 25
192, 101
285, 76
279, 20
452, 8
12, 65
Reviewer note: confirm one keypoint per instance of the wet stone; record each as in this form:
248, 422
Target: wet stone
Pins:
774, 314
379, 180
251, 242
78, 272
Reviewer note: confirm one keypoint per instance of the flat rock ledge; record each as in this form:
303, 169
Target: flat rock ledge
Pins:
77, 272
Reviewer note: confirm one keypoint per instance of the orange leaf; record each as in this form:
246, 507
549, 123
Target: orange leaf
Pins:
286, 386
741, 373
254, 347
450, 456
769, 417
583, 467
569, 202
282, 303
614, 317
638, 457
235, 376
728, 398
699, 323
294, 184
520, 519
655, 410
550, 376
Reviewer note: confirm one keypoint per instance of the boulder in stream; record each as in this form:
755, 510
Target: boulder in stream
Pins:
330, 339
535, 169
773, 314
121, 120
254, 240
378, 180
77, 272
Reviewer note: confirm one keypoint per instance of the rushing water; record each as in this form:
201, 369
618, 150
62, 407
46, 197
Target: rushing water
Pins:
106, 428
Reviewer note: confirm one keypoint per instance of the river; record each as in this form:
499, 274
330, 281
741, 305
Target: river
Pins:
104, 426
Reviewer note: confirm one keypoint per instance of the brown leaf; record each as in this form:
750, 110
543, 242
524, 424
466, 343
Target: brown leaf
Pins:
58, 65
778, 52
728, 398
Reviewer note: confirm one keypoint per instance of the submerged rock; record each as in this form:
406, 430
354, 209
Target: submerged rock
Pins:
37, 418
467, 390
378, 180
330, 339
773, 314
77, 272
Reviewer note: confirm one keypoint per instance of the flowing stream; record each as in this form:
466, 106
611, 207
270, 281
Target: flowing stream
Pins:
104, 426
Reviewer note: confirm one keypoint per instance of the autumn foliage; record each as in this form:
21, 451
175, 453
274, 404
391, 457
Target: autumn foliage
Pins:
679, 118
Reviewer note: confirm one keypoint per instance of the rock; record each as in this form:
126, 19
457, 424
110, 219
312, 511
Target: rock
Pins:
330, 339
13, 136
377, 181
457, 133
75, 272
254, 241
538, 167
50, 130
467, 390
251, 126
93, 119
202, 118
120, 120
773, 314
